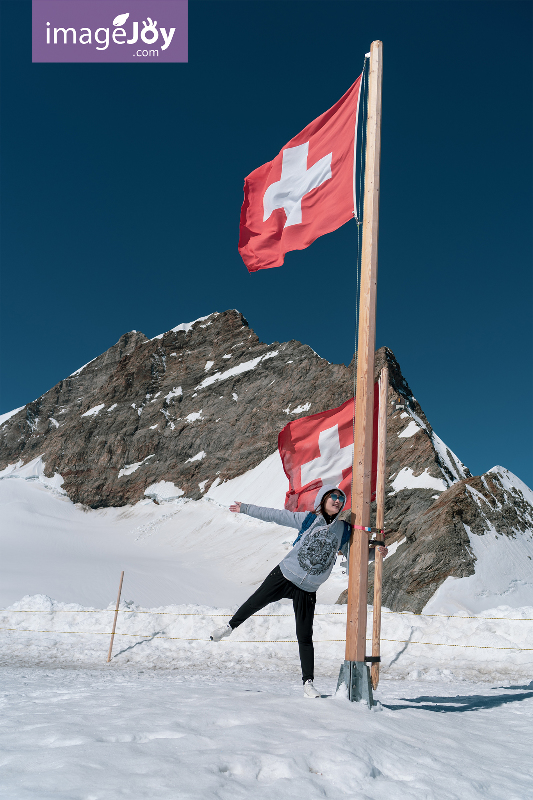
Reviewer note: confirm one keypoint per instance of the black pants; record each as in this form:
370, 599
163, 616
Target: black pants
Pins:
273, 588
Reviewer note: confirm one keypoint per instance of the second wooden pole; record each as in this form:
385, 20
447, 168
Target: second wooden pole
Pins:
380, 519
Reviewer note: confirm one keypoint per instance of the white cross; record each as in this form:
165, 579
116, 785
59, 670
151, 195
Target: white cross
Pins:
296, 181
332, 460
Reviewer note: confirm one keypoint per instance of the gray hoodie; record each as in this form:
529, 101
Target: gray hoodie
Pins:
311, 560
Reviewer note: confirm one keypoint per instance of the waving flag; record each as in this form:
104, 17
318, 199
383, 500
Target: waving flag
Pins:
318, 449
306, 191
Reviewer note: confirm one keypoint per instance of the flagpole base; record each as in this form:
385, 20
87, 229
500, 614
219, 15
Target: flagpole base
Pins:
355, 675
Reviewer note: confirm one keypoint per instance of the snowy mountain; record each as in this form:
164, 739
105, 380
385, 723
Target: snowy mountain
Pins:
174, 427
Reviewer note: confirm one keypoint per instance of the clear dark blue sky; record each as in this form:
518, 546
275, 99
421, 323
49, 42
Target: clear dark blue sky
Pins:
122, 187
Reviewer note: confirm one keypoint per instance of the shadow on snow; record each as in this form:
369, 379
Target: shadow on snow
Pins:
460, 703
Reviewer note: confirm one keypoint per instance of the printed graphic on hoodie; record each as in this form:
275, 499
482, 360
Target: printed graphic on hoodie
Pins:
318, 551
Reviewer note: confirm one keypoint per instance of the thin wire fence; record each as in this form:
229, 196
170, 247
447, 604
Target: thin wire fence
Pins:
151, 637
157, 635
207, 614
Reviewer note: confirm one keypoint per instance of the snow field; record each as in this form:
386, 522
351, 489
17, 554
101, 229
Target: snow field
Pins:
40, 631
80, 734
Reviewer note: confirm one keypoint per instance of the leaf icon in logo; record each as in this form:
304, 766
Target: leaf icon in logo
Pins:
121, 19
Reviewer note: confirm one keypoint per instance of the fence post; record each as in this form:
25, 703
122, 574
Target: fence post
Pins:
116, 615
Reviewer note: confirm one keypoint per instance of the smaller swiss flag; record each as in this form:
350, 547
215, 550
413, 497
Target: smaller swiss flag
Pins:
307, 190
318, 450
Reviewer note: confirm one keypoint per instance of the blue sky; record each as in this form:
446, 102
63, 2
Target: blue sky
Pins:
122, 187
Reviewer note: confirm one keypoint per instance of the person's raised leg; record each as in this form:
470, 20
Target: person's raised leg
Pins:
272, 589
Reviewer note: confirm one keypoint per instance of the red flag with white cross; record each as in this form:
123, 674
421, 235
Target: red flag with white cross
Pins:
307, 190
318, 450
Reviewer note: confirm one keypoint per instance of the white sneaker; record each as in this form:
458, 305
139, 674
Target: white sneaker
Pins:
309, 690
220, 633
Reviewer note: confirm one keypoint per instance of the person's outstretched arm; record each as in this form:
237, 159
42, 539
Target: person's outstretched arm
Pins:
291, 519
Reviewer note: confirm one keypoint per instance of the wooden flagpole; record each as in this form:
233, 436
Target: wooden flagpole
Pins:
380, 519
116, 615
362, 457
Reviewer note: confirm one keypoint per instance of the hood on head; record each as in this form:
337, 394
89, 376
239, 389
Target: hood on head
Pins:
329, 487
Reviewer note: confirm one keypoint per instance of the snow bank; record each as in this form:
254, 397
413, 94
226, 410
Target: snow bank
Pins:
497, 644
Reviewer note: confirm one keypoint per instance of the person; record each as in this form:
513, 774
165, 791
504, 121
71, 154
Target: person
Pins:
297, 577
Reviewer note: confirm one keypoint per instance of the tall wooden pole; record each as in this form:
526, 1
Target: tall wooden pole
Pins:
115, 619
380, 518
364, 405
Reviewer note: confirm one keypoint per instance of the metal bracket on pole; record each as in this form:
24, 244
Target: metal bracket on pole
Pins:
355, 675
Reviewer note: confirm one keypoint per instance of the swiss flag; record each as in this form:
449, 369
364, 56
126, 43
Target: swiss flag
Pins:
317, 450
306, 191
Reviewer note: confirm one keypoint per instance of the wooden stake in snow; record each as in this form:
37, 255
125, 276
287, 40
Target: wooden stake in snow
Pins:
380, 516
116, 615
364, 402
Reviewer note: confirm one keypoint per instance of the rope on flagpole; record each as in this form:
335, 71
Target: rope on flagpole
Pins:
358, 221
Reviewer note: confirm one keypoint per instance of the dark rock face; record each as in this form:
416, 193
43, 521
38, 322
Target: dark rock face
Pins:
434, 541
208, 402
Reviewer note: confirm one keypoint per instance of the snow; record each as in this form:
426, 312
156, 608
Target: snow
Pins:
175, 715
106, 734
208, 365
411, 429
511, 482
176, 392
77, 372
494, 645
54, 422
301, 409
198, 457
394, 546
172, 550
406, 479
163, 492
265, 485
9, 414
227, 355
503, 576
185, 326
33, 471
194, 416
128, 469
298, 409
235, 396
238, 370
92, 412
454, 464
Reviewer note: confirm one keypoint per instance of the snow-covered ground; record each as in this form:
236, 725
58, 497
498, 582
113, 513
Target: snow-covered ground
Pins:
80, 734
175, 715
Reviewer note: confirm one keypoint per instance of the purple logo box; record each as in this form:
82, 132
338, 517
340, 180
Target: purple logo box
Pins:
127, 31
